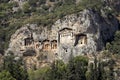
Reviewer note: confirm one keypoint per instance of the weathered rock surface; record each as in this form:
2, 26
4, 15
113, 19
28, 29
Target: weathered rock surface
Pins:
98, 30
83, 33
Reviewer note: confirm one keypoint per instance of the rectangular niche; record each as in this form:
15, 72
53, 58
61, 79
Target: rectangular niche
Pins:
81, 39
54, 44
28, 41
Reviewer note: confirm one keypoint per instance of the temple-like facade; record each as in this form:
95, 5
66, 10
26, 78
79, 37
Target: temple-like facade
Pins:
56, 46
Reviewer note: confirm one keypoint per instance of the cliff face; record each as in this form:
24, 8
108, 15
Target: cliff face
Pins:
89, 24
77, 34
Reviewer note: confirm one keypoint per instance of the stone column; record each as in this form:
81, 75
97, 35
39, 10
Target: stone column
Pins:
58, 44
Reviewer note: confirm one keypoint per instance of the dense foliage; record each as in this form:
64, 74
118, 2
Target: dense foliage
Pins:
5, 75
114, 46
13, 68
77, 69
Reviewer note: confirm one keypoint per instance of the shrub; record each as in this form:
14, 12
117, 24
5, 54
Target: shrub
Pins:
26, 7
5, 75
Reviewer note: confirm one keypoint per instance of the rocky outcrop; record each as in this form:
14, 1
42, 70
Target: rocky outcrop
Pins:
97, 29
77, 34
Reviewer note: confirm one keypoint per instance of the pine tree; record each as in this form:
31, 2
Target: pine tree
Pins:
15, 67
77, 68
90, 72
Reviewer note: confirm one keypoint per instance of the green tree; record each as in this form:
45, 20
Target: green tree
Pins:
90, 72
93, 4
114, 47
77, 68
69, 2
26, 7
101, 71
5, 75
15, 67
57, 71
111, 64
40, 74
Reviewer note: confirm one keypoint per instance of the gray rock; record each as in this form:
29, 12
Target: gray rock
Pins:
85, 33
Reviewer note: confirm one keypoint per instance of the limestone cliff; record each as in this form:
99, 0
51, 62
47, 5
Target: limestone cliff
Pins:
95, 27
82, 33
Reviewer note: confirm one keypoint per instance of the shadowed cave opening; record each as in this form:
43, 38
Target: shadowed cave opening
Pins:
28, 41
29, 53
81, 39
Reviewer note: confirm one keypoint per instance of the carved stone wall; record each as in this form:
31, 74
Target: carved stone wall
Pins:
75, 34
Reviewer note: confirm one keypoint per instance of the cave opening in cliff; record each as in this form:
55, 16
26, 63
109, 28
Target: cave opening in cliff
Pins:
81, 39
54, 44
37, 45
29, 53
66, 50
46, 45
28, 41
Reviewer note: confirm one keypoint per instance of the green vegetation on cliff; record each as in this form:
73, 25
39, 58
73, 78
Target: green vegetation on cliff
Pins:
114, 46
13, 68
